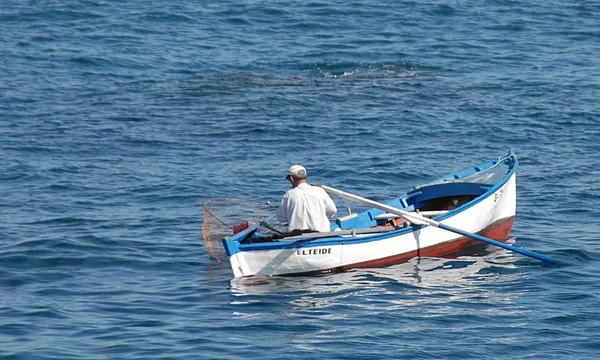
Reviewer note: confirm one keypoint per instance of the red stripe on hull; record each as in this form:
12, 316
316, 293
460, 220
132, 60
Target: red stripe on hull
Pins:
497, 231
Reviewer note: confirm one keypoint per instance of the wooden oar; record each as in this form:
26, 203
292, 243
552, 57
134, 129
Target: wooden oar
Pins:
417, 219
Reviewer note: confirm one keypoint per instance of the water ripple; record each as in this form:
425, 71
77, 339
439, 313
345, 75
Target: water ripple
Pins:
117, 120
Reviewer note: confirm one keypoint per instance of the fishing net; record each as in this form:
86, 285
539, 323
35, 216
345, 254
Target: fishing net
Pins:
222, 214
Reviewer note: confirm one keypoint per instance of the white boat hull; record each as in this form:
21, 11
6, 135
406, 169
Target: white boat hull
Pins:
491, 216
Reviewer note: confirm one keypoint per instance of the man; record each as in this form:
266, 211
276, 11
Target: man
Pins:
305, 208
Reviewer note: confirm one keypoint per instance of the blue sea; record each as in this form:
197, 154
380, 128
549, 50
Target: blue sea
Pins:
118, 119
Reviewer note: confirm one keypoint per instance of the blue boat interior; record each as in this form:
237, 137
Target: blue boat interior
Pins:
446, 193
441, 196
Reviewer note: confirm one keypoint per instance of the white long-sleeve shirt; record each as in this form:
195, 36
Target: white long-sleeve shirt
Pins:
306, 207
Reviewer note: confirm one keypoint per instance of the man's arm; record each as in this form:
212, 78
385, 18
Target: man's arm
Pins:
281, 214
330, 208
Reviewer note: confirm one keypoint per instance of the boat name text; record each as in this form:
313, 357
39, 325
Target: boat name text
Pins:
498, 194
317, 251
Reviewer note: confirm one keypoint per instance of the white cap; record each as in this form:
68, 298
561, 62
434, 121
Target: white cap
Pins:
297, 171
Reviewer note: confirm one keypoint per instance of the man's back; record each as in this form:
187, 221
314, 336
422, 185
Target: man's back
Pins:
306, 207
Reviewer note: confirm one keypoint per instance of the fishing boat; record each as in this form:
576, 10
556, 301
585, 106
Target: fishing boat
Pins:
435, 219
